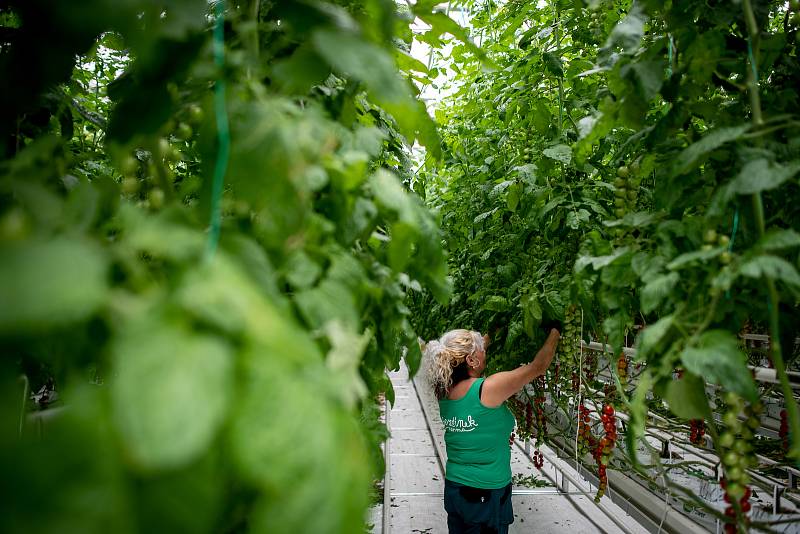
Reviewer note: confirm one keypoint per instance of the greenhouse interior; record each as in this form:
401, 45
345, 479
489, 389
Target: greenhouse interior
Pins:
395, 266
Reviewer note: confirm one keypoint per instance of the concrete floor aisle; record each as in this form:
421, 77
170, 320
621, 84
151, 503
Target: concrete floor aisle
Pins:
416, 479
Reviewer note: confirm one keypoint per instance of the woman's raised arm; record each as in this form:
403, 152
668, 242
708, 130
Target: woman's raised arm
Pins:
500, 386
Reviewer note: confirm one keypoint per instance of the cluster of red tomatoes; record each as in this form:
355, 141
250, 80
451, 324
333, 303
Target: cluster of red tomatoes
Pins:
586, 441
697, 429
736, 448
523, 413
622, 369
538, 459
602, 453
539, 400
730, 511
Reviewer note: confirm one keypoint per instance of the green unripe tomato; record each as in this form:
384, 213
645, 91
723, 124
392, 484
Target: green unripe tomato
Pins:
735, 490
710, 236
733, 400
734, 473
623, 171
163, 146
129, 165
747, 434
620, 202
706, 247
242, 209
723, 240
620, 183
619, 212
730, 459
742, 447
631, 195
794, 5
731, 420
173, 155
725, 257
621, 193
184, 131
753, 423
14, 225
156, 198
195, 114
130, 185
726, 440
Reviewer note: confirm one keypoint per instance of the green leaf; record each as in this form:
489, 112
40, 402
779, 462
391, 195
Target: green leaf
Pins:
553, 64
762, 175
779, 239
170, 391
330, 300
770, 267
343, 361
652, 340
441, 23
162, 235
401, 246
45, 284
496, 303
689, 258
717, 358
648, 77
598, 262
561, 153
619, 273
637, 219
614, 326
711, 141
704, 54
301, 271
301, 71
390, 195
513, 196
364, 61
532, 315
637, 418
687, 397
654, 292
629, 32
301, 488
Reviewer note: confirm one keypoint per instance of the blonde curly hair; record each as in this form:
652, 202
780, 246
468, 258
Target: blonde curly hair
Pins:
446, 358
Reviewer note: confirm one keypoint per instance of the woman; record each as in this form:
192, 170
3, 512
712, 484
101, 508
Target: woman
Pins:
478, 425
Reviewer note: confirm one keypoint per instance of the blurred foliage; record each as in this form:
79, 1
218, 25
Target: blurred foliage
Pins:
233, 393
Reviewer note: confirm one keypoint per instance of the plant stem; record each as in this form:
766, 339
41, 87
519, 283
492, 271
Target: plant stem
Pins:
758, 210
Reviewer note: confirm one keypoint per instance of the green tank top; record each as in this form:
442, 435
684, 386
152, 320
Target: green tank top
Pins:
476, 437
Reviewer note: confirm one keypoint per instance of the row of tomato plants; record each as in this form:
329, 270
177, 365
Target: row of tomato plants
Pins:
629, 165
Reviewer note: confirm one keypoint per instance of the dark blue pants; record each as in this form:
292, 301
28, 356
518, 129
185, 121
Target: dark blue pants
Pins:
477, 511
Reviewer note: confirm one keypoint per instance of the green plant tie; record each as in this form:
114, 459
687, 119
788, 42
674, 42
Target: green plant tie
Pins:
752, 59
669, 55
223, 134
733, 239
734, 229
